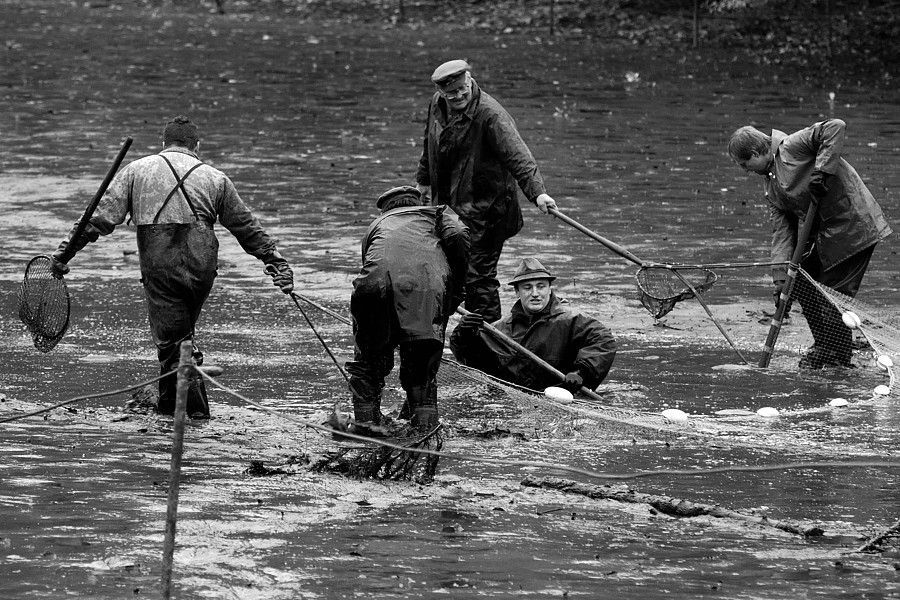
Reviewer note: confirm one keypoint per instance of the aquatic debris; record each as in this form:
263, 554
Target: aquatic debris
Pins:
676, 507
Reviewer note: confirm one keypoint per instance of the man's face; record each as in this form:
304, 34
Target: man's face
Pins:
534, 295
757, 163
457, 92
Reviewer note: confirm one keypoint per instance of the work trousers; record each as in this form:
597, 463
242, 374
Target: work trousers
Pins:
482, 287
178, 267
377, 334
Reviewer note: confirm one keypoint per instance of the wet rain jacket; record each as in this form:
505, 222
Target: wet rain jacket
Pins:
568, 341
849, 220
414, 262
474, 161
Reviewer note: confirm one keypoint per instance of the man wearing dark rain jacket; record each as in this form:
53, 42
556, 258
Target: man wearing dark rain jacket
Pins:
174, 199
800, 168
574, 344
472, 160
413, 267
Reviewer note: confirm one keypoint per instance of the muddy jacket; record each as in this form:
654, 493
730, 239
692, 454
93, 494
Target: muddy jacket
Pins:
568, 341
142, 190
414, 258
474, 160
849, 219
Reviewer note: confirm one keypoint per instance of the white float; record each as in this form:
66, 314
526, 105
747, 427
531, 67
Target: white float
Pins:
673, 415
559, 394
768, 412
882, 390
851, 319
884, 361
838, 402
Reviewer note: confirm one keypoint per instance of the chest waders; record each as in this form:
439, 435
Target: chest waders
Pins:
178, 267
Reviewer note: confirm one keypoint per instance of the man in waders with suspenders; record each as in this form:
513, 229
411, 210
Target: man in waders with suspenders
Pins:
174, 199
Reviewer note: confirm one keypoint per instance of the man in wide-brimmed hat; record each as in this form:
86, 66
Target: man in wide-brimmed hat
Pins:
575, 344
473, 160
414, 263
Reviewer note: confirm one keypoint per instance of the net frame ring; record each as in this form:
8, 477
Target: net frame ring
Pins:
44, 303
659, 294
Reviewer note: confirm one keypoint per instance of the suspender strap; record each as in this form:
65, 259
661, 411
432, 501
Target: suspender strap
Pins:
179, 185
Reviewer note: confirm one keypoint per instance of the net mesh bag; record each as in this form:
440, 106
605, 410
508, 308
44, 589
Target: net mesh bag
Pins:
841, 326
660, 287
43, 304
375, 461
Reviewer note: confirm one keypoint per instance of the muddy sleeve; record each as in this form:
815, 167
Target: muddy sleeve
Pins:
784, 237
514, 154
454, 237
237, 218
826, 141
597, 349
110, 213
423, 176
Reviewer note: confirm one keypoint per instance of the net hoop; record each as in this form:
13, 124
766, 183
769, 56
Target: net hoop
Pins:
44, 304
660, 287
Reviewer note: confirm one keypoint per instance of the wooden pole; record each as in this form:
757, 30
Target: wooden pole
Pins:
788, 287
185, 365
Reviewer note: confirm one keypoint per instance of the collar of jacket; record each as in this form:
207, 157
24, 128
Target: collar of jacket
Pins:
470, 109
180, 149
517, 313
777, 138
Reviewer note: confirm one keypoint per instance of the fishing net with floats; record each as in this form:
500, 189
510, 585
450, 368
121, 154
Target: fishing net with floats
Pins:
43, 304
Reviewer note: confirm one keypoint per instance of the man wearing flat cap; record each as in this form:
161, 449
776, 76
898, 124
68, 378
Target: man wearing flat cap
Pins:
575, 344
174, 199
473, 158
413, 267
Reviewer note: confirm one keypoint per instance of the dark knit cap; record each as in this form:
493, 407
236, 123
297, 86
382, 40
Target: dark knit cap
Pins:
181, 130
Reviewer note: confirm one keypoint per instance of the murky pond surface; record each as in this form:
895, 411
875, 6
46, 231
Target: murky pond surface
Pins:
313, 121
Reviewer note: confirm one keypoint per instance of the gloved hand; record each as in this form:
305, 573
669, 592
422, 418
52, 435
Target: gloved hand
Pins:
57, 267
471, 323
817, 184
779, 285
281, 274
573, 381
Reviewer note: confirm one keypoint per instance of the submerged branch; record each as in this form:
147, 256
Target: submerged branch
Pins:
675, 507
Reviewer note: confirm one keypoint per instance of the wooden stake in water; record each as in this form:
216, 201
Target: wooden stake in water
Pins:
185, 365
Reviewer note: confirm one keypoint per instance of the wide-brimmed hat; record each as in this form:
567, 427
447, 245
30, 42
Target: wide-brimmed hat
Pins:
398, 191
528, 269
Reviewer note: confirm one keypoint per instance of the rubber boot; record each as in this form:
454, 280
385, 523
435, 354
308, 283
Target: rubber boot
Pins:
423, 406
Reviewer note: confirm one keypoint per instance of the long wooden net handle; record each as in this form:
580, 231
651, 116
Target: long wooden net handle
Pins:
89, 211
787, 288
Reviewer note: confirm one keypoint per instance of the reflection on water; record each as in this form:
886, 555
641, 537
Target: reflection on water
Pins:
313, 122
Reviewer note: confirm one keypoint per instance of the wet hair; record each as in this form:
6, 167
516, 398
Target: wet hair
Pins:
181, 130
747, 141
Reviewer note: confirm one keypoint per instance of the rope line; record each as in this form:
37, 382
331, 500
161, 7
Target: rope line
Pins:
87, 397
549, 465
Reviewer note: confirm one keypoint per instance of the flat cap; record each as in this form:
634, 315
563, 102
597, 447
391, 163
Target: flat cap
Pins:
449, 70
398, 191
528, 269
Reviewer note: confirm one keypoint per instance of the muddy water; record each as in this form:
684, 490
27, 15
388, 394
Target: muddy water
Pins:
313, 121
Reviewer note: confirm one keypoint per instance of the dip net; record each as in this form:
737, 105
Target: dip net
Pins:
43, 304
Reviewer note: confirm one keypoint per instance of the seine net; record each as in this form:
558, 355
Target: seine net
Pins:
43, 304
